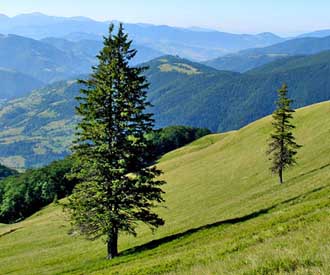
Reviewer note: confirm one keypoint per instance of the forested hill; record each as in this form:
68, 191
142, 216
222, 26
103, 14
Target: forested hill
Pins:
224, 101
38, 128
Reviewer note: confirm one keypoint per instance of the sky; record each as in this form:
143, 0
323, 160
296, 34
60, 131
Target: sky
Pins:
285, 17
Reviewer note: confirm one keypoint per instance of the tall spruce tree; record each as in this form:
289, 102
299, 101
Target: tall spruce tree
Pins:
118, 186
282, 146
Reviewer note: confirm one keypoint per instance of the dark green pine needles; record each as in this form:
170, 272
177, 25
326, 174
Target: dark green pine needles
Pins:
282, 146
119, 188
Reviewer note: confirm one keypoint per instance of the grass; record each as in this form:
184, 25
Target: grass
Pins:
179, 67
225, 214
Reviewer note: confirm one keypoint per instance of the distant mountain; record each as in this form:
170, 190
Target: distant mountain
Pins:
194, 44
38, 128
86, 49
252, 58
39, 60
296, 46
295, 63
14, 84
28, 64
320, 33
242, 62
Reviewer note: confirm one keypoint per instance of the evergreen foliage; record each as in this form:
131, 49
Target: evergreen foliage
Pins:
118, 188
282, 147
170, 138
6, 172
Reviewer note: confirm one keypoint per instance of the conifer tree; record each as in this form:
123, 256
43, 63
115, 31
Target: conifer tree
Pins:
118, 187
282, 147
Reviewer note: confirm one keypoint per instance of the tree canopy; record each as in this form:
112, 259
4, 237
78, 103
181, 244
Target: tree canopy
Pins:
282, 147
118, 187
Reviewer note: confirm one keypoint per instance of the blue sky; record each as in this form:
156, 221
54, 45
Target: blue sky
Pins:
240, 16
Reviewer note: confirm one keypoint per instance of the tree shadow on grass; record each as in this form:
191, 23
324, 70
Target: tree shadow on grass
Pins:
310, 172
264, 211
10, 231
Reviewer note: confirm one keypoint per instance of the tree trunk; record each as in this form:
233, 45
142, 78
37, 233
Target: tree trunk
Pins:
113, 244
280, 173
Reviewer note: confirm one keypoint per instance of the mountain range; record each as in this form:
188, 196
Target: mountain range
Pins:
39, 60
38, 128
221, 94
248, 59
190, 43
26, 63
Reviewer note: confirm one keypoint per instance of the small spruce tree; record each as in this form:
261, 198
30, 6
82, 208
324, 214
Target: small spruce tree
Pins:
118, 186
282, 146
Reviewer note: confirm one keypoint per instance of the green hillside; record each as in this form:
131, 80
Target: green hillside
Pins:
223, 101
225, 214
37, 129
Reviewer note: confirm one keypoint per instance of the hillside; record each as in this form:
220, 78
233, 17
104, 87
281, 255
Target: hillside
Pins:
295, 63
225, 214
14, 84
252, 58
38, 128
223, 101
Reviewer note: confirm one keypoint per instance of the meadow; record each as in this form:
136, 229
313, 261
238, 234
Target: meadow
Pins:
225, 213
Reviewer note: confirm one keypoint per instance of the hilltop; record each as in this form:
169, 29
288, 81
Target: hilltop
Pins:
225, 214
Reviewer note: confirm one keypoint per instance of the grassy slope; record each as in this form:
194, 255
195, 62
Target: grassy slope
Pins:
240, 220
